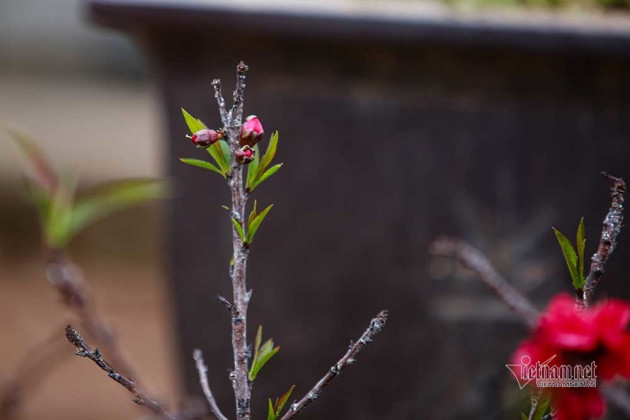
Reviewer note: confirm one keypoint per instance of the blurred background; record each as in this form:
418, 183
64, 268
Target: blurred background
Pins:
399, 121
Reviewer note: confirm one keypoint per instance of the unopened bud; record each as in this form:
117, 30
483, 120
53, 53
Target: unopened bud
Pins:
245, 155
251, 132
204, 138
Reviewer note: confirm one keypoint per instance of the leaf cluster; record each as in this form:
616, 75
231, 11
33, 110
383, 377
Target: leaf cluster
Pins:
62, 213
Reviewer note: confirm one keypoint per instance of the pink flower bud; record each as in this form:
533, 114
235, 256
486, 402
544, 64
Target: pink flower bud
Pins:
204, 138
251, 132
245, 155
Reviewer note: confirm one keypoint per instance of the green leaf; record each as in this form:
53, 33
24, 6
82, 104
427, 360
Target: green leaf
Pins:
193, 123
253, 214
202, 164
257, 342
225, 149
239, 229
541, 409
269, 154
216, 151
266, 175
253, 227
57, 223
252, 168
39, 196
580, 243
262, 354
267, 351
524, 416
271, 414
282, 401
114, 196
570, 257
44, 172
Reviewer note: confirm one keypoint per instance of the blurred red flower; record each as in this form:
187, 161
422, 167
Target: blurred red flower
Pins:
578, 338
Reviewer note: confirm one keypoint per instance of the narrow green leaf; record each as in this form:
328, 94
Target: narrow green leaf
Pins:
43, 170
541, 409
114, 196
262, 360
253, 227
265, 161
570, 257
283, 400
239, 229
225, 149
216, 152
202, 164
39, 196
252, 168
257, 341
57, 223
580, 243
271, 414
265, 348
193, 123
253, 214
523, 416
266, 175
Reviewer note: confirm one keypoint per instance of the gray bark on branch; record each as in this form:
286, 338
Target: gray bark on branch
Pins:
84, 350
376, 325
608, 241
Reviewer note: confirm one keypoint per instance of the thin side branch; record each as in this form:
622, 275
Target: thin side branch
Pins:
84, 350
205, 384
68, 281
608, 241
216, 84
473, 259
236, 114
376, 325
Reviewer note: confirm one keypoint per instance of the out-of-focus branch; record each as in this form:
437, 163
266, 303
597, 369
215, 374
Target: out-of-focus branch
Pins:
473, 259
205, 384
67, 279
84, 350
376, 325
36, 364
617, 396
610, 232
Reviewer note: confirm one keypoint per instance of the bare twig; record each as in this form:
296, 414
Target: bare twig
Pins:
225, 302
610, 232
67, 279
376, 325
473, 259
216, 84
84, 350
236, 113
36, 364
205, 385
